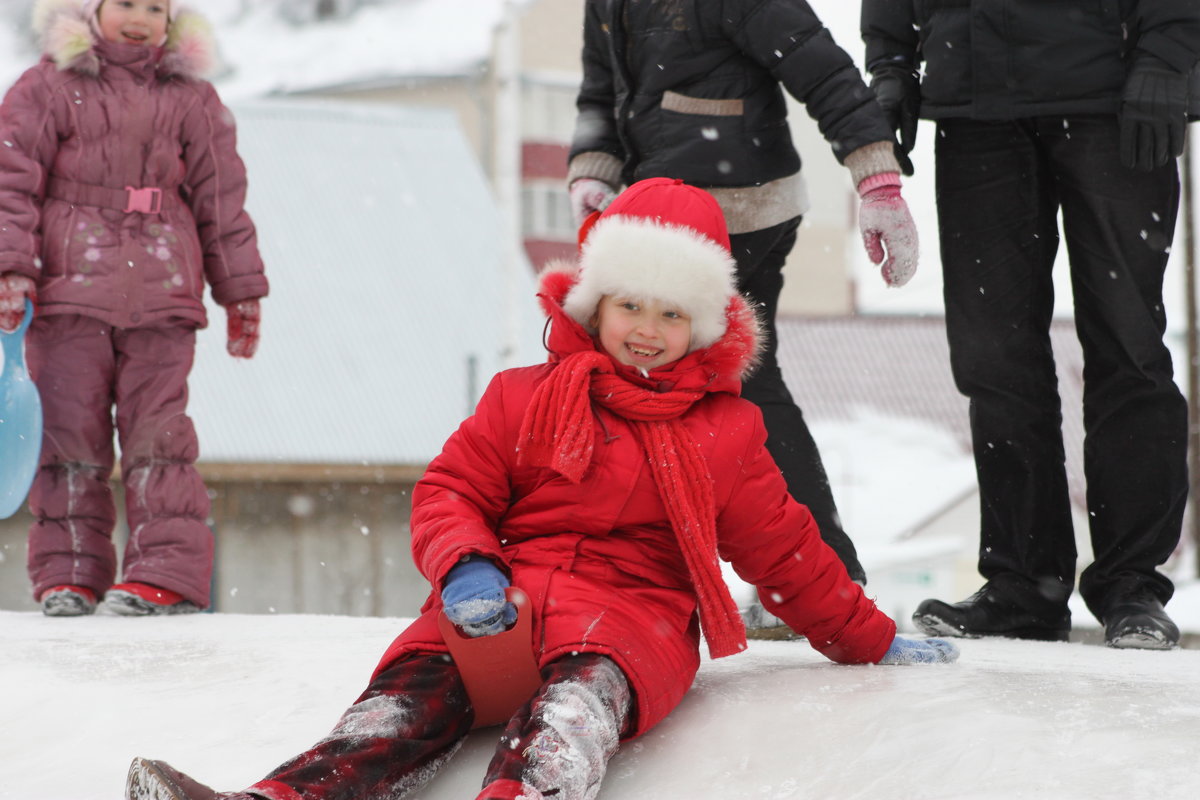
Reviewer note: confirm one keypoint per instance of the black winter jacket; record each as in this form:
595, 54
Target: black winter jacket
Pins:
691, 89
1009, 59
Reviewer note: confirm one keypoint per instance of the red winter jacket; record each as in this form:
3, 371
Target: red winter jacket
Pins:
600, 560
93, 118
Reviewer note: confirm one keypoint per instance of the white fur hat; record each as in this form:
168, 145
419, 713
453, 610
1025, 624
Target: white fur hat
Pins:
660, 239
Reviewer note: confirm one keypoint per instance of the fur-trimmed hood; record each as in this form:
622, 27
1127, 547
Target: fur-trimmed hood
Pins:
724, 364
69, 39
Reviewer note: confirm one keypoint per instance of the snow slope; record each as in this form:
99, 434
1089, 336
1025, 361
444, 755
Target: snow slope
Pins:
228, 697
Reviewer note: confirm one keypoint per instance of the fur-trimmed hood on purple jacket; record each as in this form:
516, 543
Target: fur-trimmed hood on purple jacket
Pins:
95, 119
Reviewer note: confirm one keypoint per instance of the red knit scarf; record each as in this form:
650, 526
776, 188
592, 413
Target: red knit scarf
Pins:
557, 432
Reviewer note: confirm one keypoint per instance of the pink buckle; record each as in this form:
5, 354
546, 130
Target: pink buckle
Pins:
145, 201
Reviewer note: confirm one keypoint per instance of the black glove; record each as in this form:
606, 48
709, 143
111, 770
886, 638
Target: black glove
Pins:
898, 90
1153, 114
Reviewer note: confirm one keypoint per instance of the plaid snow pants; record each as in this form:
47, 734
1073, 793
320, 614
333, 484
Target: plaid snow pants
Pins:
414, 716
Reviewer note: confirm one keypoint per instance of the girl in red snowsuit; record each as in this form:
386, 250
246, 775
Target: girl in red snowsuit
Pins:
121, 194
605, 484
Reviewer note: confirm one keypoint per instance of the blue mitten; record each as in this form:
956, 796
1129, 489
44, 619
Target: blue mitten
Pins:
474, 599
920, 651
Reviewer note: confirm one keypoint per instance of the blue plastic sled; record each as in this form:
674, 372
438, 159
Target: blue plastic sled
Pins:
20, 421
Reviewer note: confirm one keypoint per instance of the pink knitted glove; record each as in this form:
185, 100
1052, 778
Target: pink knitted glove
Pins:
885, 222
588, 195
244, 318
14, 288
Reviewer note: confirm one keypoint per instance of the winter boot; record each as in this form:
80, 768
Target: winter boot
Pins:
762, 624
68, 601
158, 780
994, 612
505, 789
1140, 622
142, 600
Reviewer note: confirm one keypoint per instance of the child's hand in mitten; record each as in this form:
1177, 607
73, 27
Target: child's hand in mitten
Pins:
244, 319
920, 651
588, 195
885, 222
474, 598
14, 288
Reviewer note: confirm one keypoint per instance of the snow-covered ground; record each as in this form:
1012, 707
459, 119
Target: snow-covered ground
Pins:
228, 697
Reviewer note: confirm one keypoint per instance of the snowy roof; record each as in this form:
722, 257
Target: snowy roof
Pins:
266, 49
380, 41
842, 369
389, 302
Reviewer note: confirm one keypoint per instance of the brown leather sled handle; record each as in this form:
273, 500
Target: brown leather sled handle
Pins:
499, 671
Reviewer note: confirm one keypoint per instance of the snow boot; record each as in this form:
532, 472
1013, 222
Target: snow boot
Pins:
158, 780
1140, 622
762, 624
68, 601
505, 789
142, 600
994, 612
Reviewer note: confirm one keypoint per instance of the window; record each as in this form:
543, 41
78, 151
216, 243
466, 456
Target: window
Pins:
548, 107
546, 212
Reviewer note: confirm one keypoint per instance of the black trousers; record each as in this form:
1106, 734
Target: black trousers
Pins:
760, 256
1000, 186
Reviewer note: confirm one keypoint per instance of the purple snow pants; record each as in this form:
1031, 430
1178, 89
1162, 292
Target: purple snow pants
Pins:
414, 716
84, 368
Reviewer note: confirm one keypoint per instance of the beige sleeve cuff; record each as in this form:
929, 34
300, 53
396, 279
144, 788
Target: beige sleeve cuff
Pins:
598, 165
872, 159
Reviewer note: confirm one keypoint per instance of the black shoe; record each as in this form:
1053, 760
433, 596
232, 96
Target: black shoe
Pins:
991, 612
1139, 622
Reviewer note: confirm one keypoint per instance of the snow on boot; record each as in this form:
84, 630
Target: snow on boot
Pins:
158, 780
509, 790
142, 600
996, 610
68, 601
762, 624
1140, 622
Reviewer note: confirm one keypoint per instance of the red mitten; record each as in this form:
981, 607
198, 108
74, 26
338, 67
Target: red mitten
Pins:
244, 318
14, 288
887, 225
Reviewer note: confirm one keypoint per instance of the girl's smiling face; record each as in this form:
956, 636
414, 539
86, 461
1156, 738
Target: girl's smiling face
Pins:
141, 22
646, 334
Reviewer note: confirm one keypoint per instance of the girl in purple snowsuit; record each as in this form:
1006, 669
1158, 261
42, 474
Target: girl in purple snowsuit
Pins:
121, 193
